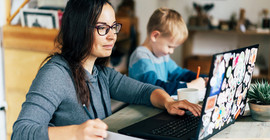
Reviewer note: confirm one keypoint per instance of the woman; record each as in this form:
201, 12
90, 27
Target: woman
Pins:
77, 76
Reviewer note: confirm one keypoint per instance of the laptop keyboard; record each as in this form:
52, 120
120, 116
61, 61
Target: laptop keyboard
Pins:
178, 128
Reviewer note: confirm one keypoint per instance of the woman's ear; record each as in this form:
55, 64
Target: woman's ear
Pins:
154, 35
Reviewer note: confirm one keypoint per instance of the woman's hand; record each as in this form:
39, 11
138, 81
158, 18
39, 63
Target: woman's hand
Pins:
161, 99
179, 107
91, 130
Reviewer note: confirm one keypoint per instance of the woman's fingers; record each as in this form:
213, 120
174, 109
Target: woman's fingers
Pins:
92, 129
179, 107
195, 109
100, 128
100, 124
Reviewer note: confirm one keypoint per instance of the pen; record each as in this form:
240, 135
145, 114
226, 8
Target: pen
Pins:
198, 72
87, 112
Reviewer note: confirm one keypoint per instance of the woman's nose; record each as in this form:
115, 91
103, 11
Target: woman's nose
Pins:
111, 35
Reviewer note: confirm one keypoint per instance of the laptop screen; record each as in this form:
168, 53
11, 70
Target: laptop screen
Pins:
229, 81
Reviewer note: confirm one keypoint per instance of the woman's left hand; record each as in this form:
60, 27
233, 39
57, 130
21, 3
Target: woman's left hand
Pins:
161, 99
179, 107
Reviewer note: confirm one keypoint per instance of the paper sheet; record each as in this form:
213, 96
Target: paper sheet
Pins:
117, 136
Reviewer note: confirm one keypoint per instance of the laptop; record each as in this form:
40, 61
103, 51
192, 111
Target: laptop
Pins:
225, 99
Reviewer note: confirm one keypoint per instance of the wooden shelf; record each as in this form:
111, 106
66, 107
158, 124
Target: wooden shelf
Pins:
187, 52
35, 39
248, 32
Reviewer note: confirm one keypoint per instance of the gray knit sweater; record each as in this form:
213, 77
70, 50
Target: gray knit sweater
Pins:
52, 100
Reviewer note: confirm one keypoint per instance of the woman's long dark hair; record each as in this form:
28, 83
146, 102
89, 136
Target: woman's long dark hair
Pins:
75, 40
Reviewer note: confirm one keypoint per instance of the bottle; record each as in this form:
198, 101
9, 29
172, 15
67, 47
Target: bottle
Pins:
265, 20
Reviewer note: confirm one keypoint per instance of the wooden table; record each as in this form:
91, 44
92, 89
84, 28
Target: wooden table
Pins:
243, 128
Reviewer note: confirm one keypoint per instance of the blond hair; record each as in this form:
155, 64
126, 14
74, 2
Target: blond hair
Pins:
169, 22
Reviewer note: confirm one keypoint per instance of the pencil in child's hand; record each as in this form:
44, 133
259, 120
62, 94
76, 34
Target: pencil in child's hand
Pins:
198, 72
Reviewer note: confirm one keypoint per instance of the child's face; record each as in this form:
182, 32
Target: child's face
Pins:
165, 45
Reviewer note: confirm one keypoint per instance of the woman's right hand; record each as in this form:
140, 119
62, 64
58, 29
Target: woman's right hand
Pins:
92, 130
198, 83
89, 130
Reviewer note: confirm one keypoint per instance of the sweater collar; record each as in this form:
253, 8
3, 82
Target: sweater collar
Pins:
58, 59
91, 77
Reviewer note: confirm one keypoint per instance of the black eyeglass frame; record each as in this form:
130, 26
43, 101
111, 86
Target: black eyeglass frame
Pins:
108, 27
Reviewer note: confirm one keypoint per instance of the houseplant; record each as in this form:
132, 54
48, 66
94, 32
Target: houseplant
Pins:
259, 100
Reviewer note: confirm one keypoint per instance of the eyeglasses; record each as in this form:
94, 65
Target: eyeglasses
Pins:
104, 29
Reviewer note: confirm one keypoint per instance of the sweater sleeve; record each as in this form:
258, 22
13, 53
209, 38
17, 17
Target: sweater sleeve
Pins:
176, 73
39, 106
129, 90
140, 71
171, 87
180, 74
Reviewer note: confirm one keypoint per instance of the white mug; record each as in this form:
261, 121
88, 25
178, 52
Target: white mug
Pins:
202, 94
189, 94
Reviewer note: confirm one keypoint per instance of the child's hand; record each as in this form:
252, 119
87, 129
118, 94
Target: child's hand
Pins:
206, 80
198, 83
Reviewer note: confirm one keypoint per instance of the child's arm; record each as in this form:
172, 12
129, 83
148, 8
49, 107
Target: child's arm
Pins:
176, 73
171, 87
151, 78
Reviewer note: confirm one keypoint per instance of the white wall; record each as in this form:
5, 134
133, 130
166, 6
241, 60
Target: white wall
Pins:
144, 9
203, 43
2, 98
2, 12
223, 9
2, 91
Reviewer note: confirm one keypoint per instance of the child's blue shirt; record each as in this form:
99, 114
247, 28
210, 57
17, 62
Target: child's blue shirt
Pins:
161, 71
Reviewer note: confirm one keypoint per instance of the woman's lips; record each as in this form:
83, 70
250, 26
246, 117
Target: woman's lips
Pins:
108, 46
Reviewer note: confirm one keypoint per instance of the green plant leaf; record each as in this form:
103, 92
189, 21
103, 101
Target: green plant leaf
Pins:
260, 92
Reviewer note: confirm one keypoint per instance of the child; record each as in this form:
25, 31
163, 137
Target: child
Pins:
151, 63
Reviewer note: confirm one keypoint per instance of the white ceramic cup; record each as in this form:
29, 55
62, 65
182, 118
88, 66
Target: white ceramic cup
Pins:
202, 94
189, 94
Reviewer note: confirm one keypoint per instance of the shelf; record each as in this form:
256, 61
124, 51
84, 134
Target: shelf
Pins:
35, 39
188, 56
248, 32
261, 76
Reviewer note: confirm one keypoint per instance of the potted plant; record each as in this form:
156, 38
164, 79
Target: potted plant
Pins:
259, 101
